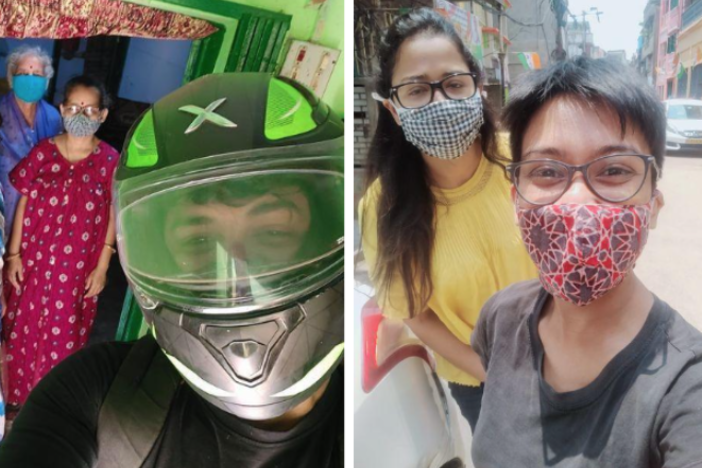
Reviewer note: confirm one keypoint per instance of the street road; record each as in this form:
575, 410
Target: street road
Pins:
671, 264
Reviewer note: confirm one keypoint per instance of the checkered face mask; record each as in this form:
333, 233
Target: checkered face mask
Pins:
80, 125
584, 251
443, 129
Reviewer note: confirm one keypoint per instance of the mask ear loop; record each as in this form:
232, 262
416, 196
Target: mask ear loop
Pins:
381, 99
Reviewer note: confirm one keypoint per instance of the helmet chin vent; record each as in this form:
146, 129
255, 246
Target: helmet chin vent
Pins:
246, 357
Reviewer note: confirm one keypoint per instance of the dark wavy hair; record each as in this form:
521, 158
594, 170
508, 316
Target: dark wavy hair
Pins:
406, 204
597, 83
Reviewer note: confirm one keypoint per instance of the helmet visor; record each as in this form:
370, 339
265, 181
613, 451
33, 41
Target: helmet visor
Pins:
236, 239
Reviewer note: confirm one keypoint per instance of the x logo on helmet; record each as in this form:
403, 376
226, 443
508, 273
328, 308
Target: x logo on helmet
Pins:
207, 114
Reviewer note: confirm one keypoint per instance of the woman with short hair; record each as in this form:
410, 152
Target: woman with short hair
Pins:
587, 367
26, 118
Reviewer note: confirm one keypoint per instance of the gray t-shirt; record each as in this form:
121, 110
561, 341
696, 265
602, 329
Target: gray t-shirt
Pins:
643, 410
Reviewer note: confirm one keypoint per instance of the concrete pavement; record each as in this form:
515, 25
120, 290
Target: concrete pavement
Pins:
671, 264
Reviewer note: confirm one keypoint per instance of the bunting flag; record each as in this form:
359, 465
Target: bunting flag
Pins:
467, 26
529, 60
681, 72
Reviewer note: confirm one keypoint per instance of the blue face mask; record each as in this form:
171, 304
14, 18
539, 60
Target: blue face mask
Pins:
29, 88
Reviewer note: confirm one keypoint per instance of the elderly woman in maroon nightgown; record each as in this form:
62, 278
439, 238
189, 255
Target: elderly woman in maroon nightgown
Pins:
62, 240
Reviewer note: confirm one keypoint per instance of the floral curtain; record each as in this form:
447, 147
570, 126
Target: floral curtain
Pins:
65, 19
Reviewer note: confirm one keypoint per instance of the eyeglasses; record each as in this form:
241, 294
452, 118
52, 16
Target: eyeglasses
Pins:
91, 112
414, 95
614, 179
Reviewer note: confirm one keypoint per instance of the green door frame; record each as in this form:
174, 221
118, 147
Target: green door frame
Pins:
212, 54
241, 28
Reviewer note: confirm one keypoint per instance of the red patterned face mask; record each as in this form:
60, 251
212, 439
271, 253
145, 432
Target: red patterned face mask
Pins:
583, 251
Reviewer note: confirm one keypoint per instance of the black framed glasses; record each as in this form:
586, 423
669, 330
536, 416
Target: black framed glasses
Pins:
416, 94
614, 178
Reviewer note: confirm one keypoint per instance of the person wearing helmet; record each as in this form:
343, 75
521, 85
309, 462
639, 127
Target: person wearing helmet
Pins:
229, 209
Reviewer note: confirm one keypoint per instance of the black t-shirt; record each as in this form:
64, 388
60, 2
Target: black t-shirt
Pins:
57, 428
644, 410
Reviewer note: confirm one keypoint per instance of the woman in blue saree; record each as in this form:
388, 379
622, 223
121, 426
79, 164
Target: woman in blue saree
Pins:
2, 308
26, 117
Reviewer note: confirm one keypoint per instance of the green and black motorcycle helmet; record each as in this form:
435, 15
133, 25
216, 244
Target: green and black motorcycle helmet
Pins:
229, 207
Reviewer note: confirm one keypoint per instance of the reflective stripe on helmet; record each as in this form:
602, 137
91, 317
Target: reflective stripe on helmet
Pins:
314, 375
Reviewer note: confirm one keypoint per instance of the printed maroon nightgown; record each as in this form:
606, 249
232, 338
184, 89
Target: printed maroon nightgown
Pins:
63, 234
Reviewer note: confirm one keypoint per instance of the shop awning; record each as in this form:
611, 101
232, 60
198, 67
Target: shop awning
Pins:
65, 19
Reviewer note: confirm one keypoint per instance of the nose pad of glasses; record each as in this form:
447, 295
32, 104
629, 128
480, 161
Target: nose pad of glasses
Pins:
578, 193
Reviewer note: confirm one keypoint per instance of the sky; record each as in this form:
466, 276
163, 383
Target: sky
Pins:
619, 25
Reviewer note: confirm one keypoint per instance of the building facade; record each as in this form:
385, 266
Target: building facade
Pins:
670, 18
617, 55
678, 71
579, 39
533, 28
647, 52
689, 50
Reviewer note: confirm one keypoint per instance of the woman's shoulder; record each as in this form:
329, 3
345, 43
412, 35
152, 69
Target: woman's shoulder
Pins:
373, 190
682, 336
369, 200
107, 150
46, 143
504, 315
503, 145
5, 103
52, 111
514, 303
677, 376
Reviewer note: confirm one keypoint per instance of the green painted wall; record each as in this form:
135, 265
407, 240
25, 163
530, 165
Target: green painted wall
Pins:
323, 25
329, 32
304, 18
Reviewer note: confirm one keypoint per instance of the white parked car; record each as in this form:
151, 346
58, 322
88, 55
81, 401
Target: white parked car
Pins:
402, 416
684, 130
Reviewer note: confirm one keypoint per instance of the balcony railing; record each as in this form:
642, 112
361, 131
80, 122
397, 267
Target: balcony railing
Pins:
692, 14
670, 22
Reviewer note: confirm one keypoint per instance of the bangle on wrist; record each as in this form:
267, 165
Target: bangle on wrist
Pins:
112, 249
12, 256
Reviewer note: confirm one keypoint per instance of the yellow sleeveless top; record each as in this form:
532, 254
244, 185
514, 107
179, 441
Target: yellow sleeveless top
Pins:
478, 251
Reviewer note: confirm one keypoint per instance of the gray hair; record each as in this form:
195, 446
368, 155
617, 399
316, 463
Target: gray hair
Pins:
22, 52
